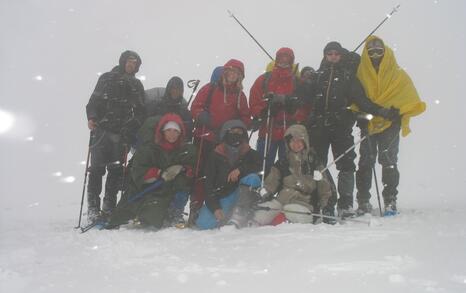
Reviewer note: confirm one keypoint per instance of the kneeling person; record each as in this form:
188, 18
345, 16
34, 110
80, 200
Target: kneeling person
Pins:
166, 161
292, 177
230, 170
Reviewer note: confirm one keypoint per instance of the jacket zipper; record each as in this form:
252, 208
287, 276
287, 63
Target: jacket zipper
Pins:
328, 89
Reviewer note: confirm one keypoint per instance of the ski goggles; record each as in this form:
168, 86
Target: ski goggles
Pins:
375, 52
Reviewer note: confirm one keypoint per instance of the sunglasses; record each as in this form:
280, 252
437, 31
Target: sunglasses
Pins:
375, 52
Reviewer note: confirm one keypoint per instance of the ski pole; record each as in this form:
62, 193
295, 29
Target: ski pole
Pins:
339, 219
104, 223
266, 144
194, 83
254, 39
201, 144
151, 187
395, 9
91, 135
371, 153
318, 174
125, 167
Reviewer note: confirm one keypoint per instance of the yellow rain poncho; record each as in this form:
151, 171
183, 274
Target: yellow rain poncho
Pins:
390, 87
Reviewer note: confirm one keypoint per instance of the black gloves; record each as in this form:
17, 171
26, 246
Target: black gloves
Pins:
392, 114
203, 119
256, 123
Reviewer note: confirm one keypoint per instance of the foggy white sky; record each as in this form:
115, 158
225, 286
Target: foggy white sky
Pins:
67, 43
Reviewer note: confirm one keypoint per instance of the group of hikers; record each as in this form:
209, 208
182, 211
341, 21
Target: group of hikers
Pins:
201, 152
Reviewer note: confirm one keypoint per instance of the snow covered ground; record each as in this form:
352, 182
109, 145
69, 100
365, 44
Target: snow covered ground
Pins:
416, 251
52, 52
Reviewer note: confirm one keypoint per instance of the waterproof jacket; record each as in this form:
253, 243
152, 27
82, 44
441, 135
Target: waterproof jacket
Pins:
153, 155
117, 101
280, 81
293, 178
391, 86
337, 88
218, 167
222, 102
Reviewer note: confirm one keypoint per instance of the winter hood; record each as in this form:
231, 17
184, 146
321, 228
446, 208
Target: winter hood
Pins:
125, 55
297, 130
294, 67
164, 120
232, 124
236, 64
174, 82
390, 87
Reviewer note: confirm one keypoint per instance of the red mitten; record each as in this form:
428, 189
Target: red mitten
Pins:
189, 171
152, 175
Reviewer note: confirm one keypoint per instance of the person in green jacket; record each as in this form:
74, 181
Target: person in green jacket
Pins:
167, 162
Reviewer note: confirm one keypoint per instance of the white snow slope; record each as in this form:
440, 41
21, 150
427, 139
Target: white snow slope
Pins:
51, 54
416, 251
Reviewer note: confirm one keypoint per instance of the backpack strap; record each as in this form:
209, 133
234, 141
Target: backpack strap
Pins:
265, 82
213, 86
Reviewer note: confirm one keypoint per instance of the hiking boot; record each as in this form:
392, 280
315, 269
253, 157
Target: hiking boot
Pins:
93, 214
390, 209
346, 212
329, 211
364, 207
109, 203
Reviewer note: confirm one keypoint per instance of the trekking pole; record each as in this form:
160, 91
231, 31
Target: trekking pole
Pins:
371, 153
316, 176
254, 39
266, 144
339, 219
91, 135
103, 224
395, 9
194, 83
125, 167
201, 144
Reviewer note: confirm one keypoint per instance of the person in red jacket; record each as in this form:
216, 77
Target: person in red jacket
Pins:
216, 103
278, 90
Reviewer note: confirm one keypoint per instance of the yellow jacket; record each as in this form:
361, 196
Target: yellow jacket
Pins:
390, 87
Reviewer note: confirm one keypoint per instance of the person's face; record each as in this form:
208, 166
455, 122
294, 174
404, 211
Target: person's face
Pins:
171, 135
130, 66
284, 60
375, 49
232, 75
238, 131
307, 75
176, 92
296, 144
333, 56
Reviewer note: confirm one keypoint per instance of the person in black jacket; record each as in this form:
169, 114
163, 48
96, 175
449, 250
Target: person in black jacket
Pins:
173, 102
332, 121
115, 112
232, 166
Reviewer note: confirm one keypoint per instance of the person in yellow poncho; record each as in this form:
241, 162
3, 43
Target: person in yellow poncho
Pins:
389, 86
331, 121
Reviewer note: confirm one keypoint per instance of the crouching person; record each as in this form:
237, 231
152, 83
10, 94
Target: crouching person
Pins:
293, 179
230, 170
160, 177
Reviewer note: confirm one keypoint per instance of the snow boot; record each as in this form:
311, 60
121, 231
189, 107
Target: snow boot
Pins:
364, 207
242, 212
390, 209
329, 211
347, 212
